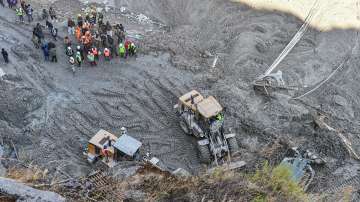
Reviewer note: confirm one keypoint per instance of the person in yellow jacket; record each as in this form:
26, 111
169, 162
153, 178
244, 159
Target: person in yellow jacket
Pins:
122, 50
20, 13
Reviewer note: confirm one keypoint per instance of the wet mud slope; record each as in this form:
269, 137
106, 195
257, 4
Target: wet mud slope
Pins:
247, 41
50, 115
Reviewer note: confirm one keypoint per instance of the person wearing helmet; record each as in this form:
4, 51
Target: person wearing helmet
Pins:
78, 58
123, 130
79, 49
91, 58
122, 50
69, 51
95, 51
54, 33
132, 49
107, 54
20, 13
72, 64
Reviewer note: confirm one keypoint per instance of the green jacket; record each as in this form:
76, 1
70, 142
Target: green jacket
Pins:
78, 57
132, 47
121, 49
19, 12
91, 57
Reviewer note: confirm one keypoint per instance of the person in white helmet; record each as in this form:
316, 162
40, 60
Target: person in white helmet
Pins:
69, 51
81, 51
123, 131
72, 64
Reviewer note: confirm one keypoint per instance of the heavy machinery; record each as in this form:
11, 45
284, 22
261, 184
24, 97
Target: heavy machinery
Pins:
203, 118
300, 165
270, 82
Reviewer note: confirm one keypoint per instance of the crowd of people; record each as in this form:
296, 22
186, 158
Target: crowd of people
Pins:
88, 37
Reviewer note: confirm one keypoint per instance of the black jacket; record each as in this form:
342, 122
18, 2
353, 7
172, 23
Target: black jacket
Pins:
4, 53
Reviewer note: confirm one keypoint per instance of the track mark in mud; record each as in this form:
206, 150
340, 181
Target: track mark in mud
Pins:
336, 188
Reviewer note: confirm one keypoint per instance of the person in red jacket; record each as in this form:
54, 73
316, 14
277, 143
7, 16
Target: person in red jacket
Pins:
105, 152
127, 46
107, 54
95, 51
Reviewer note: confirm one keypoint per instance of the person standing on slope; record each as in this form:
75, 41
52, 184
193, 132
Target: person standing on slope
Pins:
78, 58
20, 13
71, 27
122, 50
29, 12
107, 54
5, 55
52, 14
72, 64
52, 53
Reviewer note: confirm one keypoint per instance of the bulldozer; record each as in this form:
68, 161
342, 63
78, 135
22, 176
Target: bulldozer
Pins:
203, 118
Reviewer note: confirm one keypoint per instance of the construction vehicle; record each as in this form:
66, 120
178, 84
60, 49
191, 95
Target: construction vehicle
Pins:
203, 118
300, 163
117, 149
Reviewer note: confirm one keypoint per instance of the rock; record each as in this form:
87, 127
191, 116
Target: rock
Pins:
124, 172
207, 54
25, 193
261, 47
260, 29
340, 100
180, 172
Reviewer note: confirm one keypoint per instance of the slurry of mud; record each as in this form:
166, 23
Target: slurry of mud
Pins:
178, 43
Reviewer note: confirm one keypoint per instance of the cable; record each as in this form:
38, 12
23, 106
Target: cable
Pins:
324, 81
294, 40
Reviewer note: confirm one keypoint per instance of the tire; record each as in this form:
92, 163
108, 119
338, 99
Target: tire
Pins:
233, 145
204, 153
185, 127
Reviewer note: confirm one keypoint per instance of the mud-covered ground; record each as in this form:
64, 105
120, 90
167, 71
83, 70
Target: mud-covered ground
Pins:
49, 114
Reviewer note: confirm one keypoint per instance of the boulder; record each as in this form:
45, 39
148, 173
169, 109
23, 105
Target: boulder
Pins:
23, 192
